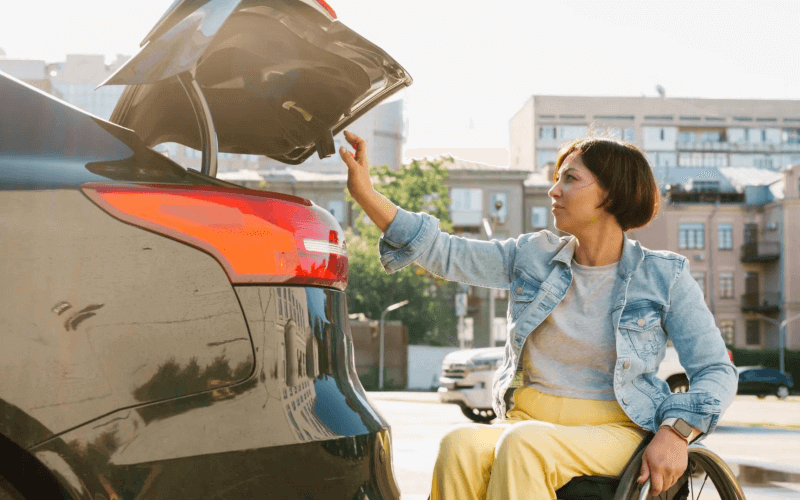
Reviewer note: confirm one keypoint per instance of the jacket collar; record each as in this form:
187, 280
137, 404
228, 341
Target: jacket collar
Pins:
632, 254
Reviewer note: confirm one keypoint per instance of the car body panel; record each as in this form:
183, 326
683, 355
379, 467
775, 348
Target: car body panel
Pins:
133, 366
48, 144
757, 380
86, 332
279, 78
302, 405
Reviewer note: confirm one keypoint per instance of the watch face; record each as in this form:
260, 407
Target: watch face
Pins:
682, 427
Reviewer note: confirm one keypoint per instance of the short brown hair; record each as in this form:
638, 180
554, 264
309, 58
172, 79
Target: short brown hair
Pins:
621, 169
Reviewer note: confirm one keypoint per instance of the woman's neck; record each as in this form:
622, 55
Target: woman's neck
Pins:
599, 245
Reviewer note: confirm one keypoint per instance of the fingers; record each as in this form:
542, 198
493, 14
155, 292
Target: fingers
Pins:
645, 471
347, 156
656, 484
358, 144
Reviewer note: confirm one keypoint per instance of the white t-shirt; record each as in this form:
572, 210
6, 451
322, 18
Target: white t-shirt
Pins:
573, 351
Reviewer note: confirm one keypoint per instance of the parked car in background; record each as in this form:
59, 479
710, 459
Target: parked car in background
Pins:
466, 379
166, 334
671, 371
763, 382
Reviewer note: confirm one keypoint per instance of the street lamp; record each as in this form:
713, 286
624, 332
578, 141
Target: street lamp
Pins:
781, 336
380, 361
498, 205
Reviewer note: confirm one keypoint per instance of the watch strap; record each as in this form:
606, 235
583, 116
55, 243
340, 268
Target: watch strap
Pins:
679, 426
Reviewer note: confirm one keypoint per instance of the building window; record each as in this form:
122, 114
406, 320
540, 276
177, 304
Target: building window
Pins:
705, 186
753, 335
691, 235
466, 207
571, 132
725, 236
662, 134
687, 137
501, 214
710, 136
547, 133
726, 285
727, 327
791, 135
629, 135
539, 217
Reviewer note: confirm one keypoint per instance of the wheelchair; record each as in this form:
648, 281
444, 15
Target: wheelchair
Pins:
706, 474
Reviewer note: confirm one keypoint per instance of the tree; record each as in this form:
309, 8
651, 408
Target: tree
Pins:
429, 315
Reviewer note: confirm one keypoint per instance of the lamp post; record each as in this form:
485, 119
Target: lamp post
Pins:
781, 337
380, 360
498, 205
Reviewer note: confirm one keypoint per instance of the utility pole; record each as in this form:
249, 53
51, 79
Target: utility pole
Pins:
489, 233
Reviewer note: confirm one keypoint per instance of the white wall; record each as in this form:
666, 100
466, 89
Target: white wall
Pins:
425, 365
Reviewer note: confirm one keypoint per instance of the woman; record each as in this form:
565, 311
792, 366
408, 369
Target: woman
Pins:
589, 319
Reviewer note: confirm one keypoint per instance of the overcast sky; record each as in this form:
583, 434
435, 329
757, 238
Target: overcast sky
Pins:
475, 63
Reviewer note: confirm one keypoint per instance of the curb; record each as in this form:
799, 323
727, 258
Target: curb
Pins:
751, 471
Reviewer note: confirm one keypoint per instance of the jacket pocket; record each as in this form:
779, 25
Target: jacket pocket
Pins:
641, 322
523, 293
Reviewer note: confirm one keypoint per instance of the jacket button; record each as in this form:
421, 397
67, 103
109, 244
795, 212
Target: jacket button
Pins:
519, 290
624, 401
640, 322
626, 365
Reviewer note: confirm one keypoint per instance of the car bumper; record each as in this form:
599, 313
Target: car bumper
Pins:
477, 396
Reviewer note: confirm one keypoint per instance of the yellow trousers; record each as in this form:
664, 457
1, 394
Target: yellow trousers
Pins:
543, 443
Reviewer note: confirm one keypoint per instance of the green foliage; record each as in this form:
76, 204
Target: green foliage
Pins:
429, 315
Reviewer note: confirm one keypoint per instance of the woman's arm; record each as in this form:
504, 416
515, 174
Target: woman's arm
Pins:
378, 207
712, 377
415, 237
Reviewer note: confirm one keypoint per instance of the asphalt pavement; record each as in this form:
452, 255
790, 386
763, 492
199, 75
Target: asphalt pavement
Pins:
758, 439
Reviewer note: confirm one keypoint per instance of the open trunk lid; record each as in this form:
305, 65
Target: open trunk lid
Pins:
280, 77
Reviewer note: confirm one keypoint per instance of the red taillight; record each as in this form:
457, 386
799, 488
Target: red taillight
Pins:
258, 237
327, 7
730, 355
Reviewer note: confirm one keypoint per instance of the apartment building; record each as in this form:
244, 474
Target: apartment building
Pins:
31, 71
673, 132
737, 227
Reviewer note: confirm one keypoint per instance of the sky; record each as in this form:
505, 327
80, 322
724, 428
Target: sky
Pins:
475, 63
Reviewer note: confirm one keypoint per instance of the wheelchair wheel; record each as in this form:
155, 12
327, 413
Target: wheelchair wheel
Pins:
707, 477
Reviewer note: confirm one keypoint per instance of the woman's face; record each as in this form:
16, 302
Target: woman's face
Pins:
576, 196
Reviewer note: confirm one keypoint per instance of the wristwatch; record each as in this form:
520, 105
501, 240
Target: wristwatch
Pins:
678, 425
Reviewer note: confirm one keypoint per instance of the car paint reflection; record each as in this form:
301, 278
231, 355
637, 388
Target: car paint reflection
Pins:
300, 406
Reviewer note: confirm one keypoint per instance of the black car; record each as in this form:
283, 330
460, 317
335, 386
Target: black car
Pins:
760, 381
166, 334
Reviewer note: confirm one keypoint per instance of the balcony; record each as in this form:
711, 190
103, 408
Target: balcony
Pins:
767, 302
681, 196
762, 251
737, 147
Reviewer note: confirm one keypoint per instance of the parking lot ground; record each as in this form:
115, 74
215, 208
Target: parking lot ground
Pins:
759, 439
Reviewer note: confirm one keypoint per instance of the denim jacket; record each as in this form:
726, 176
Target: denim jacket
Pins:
655, 298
